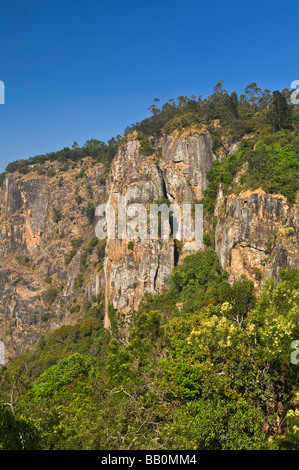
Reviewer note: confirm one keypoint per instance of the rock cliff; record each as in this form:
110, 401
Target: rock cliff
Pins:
178, 175
256, 234
43, 228
49, 268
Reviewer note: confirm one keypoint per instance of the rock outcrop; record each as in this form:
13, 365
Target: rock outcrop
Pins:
179, 176
186, 160
42, 215
49, 269
256, 234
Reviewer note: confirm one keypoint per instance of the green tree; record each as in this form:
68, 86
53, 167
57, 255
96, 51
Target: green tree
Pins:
280, 111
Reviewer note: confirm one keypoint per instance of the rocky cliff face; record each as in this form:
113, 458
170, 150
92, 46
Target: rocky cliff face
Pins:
48, 268
132, 270
256, 234
186, 160
179, 175
42, 214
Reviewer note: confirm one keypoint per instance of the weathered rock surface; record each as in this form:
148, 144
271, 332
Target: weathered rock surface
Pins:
256, 231
179, 176
186, 162
43, 223
42, 213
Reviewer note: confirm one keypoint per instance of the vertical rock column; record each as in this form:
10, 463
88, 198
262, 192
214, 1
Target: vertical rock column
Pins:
133, 267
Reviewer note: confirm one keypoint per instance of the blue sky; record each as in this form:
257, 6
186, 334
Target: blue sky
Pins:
75, 70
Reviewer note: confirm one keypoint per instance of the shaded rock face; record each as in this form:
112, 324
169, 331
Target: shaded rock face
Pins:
41, 214
256, 235
179, 176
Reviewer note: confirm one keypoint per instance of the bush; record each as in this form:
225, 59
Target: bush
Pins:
101, 249
90, 212
93, 241
50, 295
57, 215
68, 258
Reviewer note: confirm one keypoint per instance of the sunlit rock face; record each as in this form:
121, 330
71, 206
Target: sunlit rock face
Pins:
256, 234
45, 234
179, 176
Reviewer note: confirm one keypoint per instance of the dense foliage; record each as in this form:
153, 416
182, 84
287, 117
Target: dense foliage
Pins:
223, 113
205, 366
270, 162
100, 152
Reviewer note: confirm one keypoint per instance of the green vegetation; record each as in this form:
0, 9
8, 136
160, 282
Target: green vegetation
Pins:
50, 295
2, 178
223, 113
98, 150
271, 163
90, 212
93, 242
131, 245
206, 366
264, 123
101, 249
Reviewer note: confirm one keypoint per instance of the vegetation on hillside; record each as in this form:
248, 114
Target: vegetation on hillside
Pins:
99, 151
206, 366
224, 114
269, 162
263, 124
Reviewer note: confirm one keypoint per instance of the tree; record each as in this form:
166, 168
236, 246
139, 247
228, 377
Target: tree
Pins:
233, 102
16, 434
280, 111
241, 298
154, 109
253, 93
218, 87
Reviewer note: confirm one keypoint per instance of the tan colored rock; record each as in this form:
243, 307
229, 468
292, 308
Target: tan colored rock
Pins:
249, 234
180, 176
33, 246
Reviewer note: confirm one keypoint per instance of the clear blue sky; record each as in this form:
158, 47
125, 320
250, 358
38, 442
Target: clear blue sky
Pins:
76, 70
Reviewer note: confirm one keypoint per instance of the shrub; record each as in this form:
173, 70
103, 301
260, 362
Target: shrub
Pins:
90, 212
57, 215
68, 258
92, 243
101, 249
50, 295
